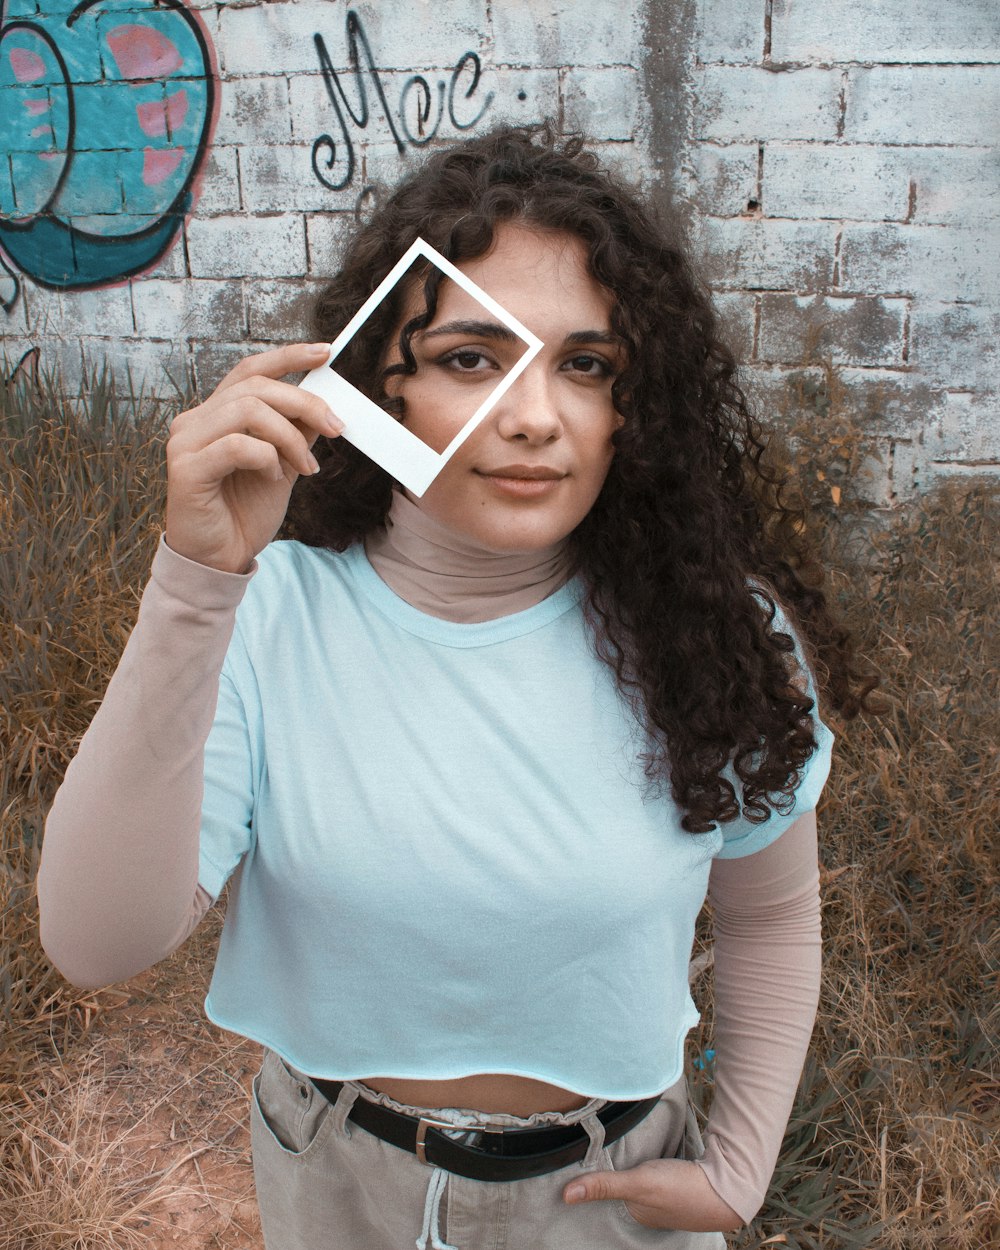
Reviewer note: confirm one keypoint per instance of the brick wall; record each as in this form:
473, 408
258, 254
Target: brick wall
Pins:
841, 179
835, 166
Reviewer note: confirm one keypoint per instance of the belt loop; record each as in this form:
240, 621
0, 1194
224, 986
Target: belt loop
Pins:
346, 1099
595, 1131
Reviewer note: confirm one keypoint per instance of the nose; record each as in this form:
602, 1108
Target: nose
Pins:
529, 411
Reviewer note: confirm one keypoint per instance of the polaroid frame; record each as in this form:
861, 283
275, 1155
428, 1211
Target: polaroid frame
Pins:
372, 430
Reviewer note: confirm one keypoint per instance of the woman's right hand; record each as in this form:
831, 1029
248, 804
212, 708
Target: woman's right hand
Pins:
232, 461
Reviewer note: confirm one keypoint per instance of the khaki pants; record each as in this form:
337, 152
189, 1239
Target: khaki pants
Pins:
323, 1183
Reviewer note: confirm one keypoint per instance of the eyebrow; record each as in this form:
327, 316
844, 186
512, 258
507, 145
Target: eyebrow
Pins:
481, 329
496, 330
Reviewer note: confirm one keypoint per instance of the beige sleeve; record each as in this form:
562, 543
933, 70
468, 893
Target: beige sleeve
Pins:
766, 917
118, 879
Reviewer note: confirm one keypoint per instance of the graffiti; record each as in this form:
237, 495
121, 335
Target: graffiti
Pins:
106, 108
26, 369
333, 159
10, 286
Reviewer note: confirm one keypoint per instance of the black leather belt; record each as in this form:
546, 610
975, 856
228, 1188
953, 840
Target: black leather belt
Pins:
502, 1154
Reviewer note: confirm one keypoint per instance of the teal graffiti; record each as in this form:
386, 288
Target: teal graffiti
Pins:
106, 109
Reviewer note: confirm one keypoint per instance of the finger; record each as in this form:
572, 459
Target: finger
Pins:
259, 421
643, 1183
594, 1187
247, 419
307, 411
240, 451
276, 362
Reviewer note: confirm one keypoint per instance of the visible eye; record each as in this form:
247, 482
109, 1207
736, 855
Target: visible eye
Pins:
590, 366
466, 360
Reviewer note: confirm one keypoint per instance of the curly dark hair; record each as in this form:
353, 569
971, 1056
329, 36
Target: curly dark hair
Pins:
689, 536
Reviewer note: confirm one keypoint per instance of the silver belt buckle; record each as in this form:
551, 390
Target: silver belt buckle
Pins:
425, 1122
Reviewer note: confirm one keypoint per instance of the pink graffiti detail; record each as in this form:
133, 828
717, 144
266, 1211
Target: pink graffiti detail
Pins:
42, 130
141, 52
158, 165
27, 66
156, 115
34, 107
51, 156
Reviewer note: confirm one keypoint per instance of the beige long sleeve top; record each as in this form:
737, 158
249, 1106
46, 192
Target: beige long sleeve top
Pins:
118, 885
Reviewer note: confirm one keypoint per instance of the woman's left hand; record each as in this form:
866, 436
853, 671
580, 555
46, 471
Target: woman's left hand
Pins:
660, 1193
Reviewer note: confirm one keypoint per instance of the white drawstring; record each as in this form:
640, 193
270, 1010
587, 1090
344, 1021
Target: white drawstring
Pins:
431, 1229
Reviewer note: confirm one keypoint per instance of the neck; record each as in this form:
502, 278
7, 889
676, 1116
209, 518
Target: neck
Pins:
452, 577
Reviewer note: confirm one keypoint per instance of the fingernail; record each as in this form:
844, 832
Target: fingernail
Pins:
320, 349
334, 424
313, 462
575, 1193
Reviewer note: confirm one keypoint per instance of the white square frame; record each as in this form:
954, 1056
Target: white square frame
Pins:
372, 430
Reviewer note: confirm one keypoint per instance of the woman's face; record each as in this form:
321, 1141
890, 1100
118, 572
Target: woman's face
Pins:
530, 472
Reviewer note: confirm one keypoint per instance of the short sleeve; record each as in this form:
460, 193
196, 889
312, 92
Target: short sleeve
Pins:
740, 837
232, 759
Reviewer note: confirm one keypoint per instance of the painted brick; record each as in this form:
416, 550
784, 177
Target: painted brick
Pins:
430, 34
191, 308
59, 354
738, 313
937, 262
923, 104
383, 165
212, 360
140, 366
326, 235
219, 183
16, 295
751, 103
253, 110
554, 32
797, 328
282, 310
955, 185
832, 180
103, 310
277, 179
762, 254
253, 39
887, 403
910, 32
603, 103
95, 188
730, 30
173, 262
13, 345
524, 97
448, 105
313, 114
267, 247
8, 204
724, 180
967, 431
956, 345
310, 112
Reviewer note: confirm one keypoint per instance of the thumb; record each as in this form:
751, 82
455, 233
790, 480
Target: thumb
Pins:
596, 1186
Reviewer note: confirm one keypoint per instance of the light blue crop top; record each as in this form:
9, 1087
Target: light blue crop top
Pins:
447, 860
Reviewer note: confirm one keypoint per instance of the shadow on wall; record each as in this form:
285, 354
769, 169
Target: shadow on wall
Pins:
107, 117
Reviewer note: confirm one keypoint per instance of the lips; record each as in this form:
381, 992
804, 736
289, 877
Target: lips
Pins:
524, 473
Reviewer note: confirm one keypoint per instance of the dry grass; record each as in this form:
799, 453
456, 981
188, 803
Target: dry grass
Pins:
136, 1136
891, 1143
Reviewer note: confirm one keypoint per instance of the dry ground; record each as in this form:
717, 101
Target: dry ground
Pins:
138, 1136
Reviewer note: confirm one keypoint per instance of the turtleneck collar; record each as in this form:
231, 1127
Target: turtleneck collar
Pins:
451, 577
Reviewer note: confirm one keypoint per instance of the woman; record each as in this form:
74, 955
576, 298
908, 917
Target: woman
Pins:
474, 759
